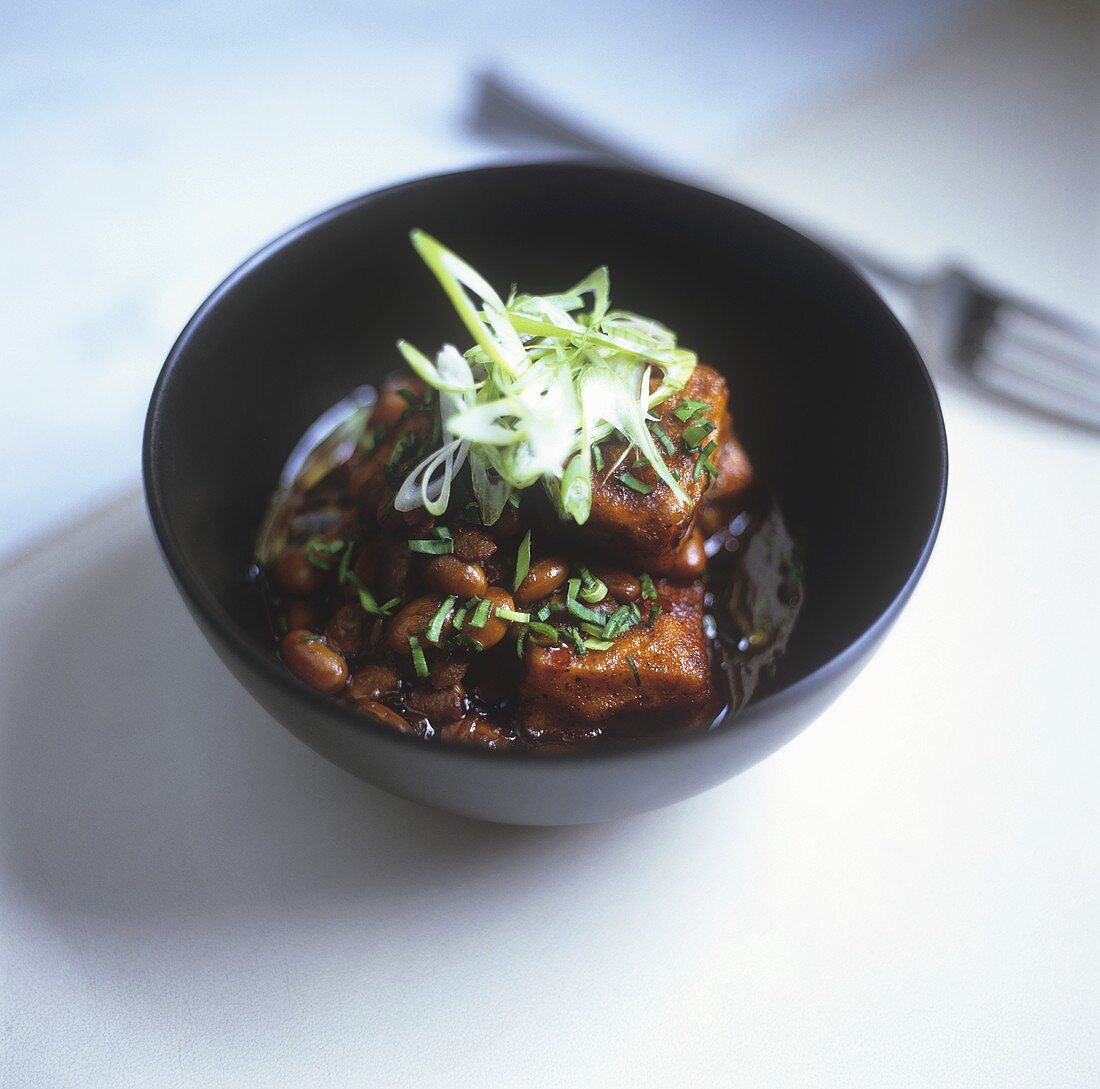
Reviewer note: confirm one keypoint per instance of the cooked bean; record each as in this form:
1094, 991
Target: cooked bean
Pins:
413, 620
448, 670
386, 715
477, 731
472, 545
506, 525
373, 681
318, 665
622, 586
450, 575
395, 564
543, 578
348, 630
439, 706
294, 574
495, 629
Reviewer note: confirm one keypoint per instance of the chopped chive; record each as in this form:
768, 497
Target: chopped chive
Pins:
345, 564
321, 553
581, 612
466, 643
695, 434
523, 561
622, 620
648, 589
595, 630
689, 409
435, 625
369, 604
597, 458
512, 616
578, 641
545, 630
662, 437
675, 474
312, 639
481, 614
635, 484
442, 533
519, 644
598, 644
420, 663
592, 589
654, 612
543, 613
634, 669
459, 617
432, 548
513, 500
703, 461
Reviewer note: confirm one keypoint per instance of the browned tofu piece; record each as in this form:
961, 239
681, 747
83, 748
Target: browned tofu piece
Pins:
563, 694
646, 532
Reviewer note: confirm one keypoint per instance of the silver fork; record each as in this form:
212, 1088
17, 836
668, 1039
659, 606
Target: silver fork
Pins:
1008, 346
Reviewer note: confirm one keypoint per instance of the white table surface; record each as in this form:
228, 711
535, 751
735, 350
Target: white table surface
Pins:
907, 895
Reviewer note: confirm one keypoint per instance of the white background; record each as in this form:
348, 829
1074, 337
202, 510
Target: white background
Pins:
905, 896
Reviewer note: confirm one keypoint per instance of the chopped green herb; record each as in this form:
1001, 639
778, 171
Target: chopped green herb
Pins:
622, 620
459, 617
648, 589
523, 561
543, 613
592, 589
402, 449
322, 553
581, 612
519, 644
512, 616
432, 547
578, 641
480, 614
703, 461
662, 438
344, 572
695, 434
634, 669
597, 458
689, 409
368, 602
635, 484
420, 663
598, 644
435, 625
313, 639
654, 612
545, 630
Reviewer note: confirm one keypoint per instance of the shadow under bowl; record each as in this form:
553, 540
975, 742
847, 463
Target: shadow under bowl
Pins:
829, 396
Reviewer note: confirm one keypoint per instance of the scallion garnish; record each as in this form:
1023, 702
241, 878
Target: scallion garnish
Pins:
662, 438
689, 409
654, 612
639, 486
312, 639
480, 615
581, 612
420, 663
648, 589
597, 458
405, 442
435, 625
543, 613
578, 641
695, 434
367, 600
344, 573
545, 630
512, 616
634, 669
459, 617
547, 380
703, 461
523, 561
323, 553
433, 547
592, 589
598, 644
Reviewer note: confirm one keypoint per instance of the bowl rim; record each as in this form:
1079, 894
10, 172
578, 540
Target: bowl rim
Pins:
201, 598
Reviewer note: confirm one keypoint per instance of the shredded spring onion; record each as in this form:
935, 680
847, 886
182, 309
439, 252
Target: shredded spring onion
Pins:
435, 626
546, 381
420, 663
523, 561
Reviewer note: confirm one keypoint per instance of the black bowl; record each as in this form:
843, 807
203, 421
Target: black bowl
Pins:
829, 395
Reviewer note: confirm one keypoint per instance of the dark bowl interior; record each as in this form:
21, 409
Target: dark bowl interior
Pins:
828, 392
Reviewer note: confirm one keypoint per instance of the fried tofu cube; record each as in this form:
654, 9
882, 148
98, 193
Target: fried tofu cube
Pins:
647, 531
651, 679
